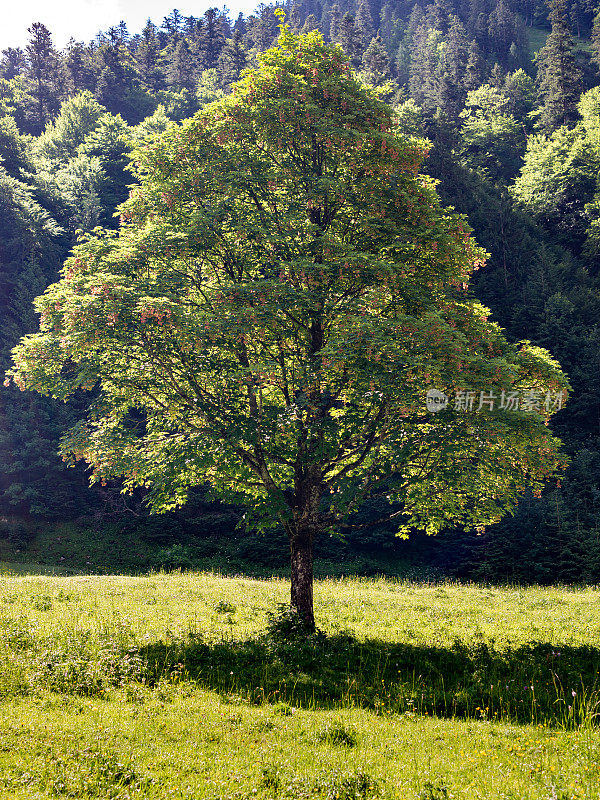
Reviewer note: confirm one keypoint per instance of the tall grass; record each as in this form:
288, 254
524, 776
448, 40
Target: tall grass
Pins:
193, 686
70, 635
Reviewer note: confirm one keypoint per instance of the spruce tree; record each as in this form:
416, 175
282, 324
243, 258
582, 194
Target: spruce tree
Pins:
377, 62
297, 16
559, 79
262, 29
476, 8
80, 67
424, 67
364, 22
439, 15
310, 24
335, 23
456, 54
212, 38
595, 39
231, 61
497, 76
182, 67
475, 69
173, 24
414, 20
391, 27
501, 30
147, 57
118, 77
13, 63
45, 76
240, 24
350, 38
481, 33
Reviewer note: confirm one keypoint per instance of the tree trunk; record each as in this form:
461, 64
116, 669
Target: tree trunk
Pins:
301, 551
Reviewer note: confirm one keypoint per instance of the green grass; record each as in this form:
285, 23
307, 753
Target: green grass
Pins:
179, 685
537, 39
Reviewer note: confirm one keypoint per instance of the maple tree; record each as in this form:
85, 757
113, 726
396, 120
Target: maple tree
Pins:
283, 290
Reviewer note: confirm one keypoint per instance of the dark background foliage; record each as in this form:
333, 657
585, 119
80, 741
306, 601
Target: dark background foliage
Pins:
493, 84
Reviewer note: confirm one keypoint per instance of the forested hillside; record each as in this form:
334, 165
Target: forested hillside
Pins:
508, 95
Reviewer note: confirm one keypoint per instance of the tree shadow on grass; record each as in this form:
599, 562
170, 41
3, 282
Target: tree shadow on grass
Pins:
532, 683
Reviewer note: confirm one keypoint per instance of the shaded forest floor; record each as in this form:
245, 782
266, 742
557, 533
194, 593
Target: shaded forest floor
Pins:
138, 545
192, 685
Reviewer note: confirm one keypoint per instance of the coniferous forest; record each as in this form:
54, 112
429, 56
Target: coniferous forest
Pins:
506, 93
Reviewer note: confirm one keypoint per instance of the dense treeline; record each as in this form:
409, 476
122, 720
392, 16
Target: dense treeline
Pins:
515, 140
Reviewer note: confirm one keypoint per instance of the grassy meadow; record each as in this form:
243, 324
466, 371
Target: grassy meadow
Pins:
191, 685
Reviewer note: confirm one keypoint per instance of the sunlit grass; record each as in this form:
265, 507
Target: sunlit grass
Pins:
166, 686
391, 610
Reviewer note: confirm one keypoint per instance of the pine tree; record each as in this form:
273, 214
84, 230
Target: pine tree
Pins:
231, 61
173, 25
377, 62
211, 39
147, 56
80, 67
44, 72
364, 22
182, 67
595, 40
13, 63
335, 23
558, 78
475, 69
310, 24
501, 29
351, 40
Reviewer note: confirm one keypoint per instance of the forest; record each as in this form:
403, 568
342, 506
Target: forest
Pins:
506, 97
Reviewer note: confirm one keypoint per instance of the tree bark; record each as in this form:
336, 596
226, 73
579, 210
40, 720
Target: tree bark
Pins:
301, 552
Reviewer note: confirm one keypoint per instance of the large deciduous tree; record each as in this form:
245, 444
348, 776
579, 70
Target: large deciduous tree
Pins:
283, 291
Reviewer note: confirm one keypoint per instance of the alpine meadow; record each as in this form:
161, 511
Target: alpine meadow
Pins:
300, 457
